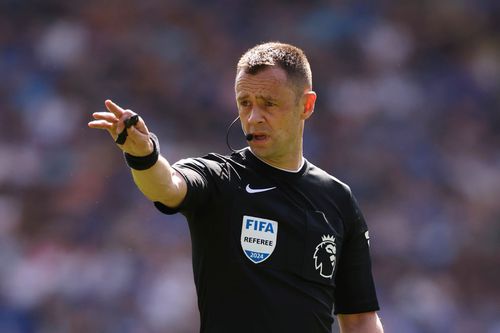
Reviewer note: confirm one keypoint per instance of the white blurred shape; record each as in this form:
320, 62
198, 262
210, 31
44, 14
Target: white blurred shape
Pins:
387, 45
63, 43
21, 167
394, 233
425, 301
477, 179
30, 279
391, 93
101, 275
54, 120
169, 300
396, 94
353, 97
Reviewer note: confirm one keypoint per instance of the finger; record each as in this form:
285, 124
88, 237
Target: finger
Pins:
141, 126
114, 108
137, 132
140, 141
120, 125
101, 124
108, 116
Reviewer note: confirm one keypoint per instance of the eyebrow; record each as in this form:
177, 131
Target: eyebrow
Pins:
242, 97
267, 97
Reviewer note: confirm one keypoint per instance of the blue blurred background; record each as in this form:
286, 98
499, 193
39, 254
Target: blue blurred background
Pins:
407, 114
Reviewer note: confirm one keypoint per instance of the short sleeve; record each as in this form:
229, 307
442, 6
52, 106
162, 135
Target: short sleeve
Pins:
198, 174
355, 289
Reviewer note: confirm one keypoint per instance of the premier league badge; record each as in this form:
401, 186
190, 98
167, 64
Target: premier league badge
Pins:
324, 256
258, 238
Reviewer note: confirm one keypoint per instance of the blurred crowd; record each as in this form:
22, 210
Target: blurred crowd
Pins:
408, 114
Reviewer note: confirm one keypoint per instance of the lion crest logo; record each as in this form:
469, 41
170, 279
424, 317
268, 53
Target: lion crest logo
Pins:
324, 256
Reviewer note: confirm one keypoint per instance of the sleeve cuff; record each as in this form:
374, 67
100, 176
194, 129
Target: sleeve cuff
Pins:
165, 209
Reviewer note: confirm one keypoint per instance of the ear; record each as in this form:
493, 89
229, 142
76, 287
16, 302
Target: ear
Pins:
308, 101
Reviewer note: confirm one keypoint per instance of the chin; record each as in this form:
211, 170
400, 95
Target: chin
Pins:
260, 151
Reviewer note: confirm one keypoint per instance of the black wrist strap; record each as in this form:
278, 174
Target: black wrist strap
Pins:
144, 162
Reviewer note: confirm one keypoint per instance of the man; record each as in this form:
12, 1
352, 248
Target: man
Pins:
276, 240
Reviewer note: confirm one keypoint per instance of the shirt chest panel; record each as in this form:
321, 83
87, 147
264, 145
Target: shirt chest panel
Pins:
259, 208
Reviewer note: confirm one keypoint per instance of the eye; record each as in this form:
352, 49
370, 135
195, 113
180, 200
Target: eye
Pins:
269, 104
244, 103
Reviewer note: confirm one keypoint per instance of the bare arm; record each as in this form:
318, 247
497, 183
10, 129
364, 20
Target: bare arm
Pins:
161, 183
367, 322
158, 183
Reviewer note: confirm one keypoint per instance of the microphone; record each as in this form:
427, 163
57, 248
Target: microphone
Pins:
248, 137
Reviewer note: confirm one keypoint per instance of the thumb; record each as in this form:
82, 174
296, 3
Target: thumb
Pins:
138, 143
139, 131
141, 126
126, 121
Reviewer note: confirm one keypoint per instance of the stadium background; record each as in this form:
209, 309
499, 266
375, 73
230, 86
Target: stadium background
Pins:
407, 114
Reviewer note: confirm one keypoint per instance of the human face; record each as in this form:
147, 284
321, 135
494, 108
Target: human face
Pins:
270, 109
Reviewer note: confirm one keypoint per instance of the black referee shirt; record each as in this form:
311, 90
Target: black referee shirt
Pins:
273, 251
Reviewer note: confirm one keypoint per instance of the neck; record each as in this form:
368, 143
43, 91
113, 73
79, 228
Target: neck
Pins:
291, 160
294, 166
289, 157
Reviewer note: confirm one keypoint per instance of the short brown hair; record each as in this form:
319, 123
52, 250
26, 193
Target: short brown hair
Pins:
288, 57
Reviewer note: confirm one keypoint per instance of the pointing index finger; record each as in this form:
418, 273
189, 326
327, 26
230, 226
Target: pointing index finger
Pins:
114, 108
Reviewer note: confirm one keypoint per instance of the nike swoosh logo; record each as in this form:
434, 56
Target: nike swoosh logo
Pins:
258, 190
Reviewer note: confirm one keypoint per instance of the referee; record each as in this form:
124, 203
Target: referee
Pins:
279, 245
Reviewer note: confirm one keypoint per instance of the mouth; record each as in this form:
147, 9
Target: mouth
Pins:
259, 137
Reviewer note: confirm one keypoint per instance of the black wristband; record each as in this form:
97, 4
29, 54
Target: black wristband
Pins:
144, 162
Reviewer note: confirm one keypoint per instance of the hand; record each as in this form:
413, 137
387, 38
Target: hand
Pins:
137, 143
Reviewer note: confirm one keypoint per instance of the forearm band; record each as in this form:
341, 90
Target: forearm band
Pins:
144, 162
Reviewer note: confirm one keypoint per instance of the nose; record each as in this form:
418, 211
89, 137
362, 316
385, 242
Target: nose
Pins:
256, 116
